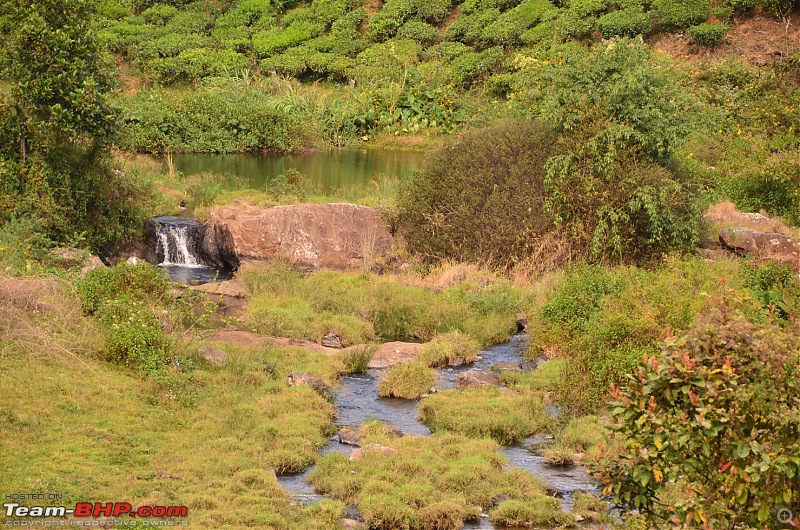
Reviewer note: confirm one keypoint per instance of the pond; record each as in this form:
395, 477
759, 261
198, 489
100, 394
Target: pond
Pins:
331, 170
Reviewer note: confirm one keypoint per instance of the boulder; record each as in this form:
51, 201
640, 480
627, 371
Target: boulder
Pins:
765, 245
359, 453
352, 524
213, 356
338, 236
92, 263
473, 378
394, 353
304, 379
229, 295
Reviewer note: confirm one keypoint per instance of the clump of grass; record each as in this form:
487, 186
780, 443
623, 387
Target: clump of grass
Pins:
559, 455
448, 347
407, 381
485, 412
361, 307
433, 482
590, 507
536, 512
356, 361
579, 435
546, 377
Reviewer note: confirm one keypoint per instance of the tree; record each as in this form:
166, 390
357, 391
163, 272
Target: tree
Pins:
57, 122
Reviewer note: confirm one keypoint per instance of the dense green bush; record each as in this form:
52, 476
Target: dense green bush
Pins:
141, 282
480, 198
407, 381
418, 31
709, 35
134, 336
630, 22
673, 14
774, 187
716, 413
210, 121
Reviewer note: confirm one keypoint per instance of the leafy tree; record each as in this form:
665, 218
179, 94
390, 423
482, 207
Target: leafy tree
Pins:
710, 429
57, 122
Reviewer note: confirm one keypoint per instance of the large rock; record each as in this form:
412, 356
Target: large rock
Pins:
338, 236
394, 353
213, 356
768, 245
472, 378
229, 295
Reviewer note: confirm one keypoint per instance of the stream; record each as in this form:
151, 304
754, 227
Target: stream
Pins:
357, 401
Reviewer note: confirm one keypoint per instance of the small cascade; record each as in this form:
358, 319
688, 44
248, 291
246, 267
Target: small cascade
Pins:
176, 241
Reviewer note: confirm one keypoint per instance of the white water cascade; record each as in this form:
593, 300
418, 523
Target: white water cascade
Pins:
174, 244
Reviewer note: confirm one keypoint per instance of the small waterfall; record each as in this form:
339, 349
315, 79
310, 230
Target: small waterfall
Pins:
176, 239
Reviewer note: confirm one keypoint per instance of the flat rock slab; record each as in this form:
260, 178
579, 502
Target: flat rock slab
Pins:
337, 235
394, 353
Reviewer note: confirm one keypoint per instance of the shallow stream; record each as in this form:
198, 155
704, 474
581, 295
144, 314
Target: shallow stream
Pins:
357, 401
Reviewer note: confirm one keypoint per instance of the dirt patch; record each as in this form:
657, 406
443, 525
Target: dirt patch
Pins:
760, 40
373, 6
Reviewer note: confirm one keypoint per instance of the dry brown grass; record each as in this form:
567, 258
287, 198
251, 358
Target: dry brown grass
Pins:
41, 317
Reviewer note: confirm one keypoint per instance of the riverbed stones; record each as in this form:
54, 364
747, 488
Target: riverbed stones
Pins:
305, 379
359, 453
213, 356
348, 436
394, 353
337, 235
473, 378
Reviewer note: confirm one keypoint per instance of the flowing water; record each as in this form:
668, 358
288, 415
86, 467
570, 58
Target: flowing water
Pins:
357, 401
176, 249
331, 170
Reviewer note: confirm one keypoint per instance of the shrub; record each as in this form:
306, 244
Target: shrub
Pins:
134, 336
709, 35
418, 31
673, 14
690, 416
630, 22
159, 14
267, 42
471, 200
772, 187
443, 349
407, 381
142, 282
508, 27
442, 516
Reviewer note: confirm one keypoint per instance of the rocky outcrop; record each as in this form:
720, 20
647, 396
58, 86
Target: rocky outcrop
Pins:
473, 378
765, 245
338, 236
394, 353
229, 295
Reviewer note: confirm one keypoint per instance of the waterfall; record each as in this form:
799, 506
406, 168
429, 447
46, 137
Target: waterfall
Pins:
176, 242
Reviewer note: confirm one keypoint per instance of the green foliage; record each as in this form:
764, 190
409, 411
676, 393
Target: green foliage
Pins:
672, 14
603, 321
57, 123
141, 282
774, 187
211, 121
407, 381
418, 31
485, 412
709, 35
134, 336
629, 22
267, 42
471, 200
716, 413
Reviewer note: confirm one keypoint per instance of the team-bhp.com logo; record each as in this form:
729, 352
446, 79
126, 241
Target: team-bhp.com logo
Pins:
120, 514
